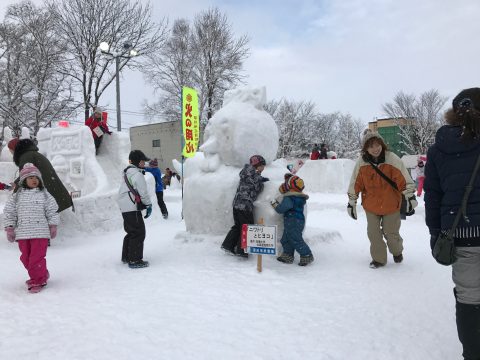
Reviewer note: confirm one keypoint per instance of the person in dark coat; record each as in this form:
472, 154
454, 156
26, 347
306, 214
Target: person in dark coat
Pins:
157, 174
451, 160
323, 152
292, 207
25, 151
251, 184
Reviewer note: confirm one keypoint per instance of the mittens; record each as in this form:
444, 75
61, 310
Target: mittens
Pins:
149, 211
274, 203
352, 209
53, 231
10, 234
265, 179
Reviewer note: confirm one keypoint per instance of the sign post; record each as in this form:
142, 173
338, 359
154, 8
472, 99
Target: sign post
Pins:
260, 240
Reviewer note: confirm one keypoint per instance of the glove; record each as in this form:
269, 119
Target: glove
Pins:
53, 231
274, 203
149, 211
265, 179
7, 187
411, 205
352, 210
10, 234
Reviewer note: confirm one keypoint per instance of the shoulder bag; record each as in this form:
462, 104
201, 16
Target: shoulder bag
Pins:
444, 249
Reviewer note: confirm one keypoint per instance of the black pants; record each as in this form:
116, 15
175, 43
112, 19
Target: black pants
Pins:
161, 203
133, 241
240, 217
97, 142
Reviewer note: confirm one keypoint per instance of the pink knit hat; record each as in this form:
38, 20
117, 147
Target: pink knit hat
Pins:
30, 170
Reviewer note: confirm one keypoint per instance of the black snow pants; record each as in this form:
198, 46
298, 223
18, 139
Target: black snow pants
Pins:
133, 241
240, 217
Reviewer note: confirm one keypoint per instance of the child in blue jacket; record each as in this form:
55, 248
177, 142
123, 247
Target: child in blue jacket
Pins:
292, 207
157, 174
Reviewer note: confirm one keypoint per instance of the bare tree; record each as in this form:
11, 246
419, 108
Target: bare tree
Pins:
220, 58
169, 69
418, 118
205, 56
84, 24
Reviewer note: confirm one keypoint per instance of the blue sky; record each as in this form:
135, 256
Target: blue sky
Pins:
350, 56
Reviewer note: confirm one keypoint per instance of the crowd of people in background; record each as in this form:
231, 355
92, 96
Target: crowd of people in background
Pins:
380, 179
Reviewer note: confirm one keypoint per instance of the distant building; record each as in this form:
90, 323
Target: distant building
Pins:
160, 140
390, 131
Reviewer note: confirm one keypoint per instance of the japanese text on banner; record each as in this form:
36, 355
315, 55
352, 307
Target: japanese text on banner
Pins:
190, 121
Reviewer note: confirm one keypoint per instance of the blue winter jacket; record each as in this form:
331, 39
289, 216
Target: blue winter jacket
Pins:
450, 163
157, 174
292, 205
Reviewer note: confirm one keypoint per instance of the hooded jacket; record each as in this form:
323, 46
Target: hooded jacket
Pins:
27, 152
447, 172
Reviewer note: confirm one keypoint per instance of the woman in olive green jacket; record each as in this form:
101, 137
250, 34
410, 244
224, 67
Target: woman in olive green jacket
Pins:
27, 152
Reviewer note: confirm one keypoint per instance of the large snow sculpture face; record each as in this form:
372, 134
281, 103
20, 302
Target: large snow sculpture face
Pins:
240, 129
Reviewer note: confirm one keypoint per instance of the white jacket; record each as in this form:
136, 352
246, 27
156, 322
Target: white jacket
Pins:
30, 212
126, 200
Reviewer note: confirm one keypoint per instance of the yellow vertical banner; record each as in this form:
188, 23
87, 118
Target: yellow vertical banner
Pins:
190, 121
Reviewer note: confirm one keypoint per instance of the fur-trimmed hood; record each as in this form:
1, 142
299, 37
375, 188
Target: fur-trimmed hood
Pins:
22, 147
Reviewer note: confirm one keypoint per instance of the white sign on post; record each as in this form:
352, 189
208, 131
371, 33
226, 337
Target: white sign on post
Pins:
261, 239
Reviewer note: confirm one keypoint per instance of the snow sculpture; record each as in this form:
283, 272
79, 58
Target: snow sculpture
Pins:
240, 129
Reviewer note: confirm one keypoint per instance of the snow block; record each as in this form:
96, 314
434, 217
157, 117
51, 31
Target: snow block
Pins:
327, 176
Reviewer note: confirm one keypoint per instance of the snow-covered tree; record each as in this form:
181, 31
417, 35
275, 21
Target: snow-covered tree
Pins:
32, 91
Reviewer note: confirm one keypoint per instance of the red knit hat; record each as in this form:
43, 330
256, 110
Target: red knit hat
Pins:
13, 143
295, 184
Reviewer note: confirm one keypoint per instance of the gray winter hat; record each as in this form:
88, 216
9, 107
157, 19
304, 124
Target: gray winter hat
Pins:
369, 134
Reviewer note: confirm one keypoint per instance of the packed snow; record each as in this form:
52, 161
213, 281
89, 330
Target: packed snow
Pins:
196, 302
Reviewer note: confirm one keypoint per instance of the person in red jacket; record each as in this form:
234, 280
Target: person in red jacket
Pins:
315, 152
98, 124
5, 186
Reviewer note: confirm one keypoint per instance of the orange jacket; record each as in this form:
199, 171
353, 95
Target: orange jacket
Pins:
378, 196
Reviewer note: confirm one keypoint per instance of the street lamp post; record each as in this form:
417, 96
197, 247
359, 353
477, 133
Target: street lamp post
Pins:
128, 52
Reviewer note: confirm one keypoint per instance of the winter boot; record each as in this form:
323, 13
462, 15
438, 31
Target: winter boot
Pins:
241, 253
398, 258
285, 258
305, 260
375, 264
227, 251
468, 327
138, 264
165, 216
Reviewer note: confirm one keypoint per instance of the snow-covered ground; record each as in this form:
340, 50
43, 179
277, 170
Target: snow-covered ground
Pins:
195, 302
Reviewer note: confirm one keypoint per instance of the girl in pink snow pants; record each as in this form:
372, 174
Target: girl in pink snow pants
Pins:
31, 218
